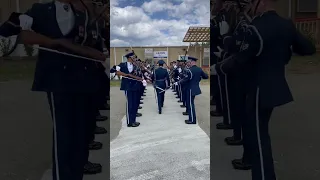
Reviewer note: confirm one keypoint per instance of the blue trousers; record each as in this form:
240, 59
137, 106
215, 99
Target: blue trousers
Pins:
72, 114
131, 107
160, 97
191, 107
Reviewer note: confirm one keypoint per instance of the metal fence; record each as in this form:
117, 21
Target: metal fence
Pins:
310, 28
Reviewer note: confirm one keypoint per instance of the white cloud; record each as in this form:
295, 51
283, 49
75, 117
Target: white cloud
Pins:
134, 26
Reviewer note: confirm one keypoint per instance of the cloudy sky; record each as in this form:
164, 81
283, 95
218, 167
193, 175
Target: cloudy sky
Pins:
155, 22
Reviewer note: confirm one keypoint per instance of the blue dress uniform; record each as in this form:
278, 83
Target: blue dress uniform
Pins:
130, 88
71, 85
223, 78
214, 85
184, 90
160, 79
193, 78
266, 49
236, 83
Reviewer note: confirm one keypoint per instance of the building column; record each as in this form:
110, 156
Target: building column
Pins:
318, 9
115, 56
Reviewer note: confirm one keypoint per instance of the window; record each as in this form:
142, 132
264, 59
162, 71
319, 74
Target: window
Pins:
183, 57
124, 59
307, 6
206, 57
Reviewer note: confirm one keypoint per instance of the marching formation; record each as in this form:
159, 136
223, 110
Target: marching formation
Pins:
183, 78
251, 46
72, 40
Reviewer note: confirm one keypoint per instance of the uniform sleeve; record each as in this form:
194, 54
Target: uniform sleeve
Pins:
115, 69
31, 19
204, 75
186, 77
251, 47
301, 45
168, 78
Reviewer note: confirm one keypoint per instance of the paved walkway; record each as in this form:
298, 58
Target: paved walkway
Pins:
162, 147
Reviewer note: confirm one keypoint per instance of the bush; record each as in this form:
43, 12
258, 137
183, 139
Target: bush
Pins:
5, 45
310, 35
29, 50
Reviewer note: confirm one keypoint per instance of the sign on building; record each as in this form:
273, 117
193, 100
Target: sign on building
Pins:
160, 54
148, 51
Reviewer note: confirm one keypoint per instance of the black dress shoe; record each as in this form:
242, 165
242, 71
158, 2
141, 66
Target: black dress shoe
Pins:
232, 141
223, 126
179, 101
138, 115
133, 125
139, 107
189, 122
185, 114
177, 97
141, 99
92, 168
101, 118
215, 113
183, 106
160, 112
95, 145
105, 107
137, 123
240, 165
100, 130
144, 95
175, 93
141, 102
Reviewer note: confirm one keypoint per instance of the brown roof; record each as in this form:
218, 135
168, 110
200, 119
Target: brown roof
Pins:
197, 34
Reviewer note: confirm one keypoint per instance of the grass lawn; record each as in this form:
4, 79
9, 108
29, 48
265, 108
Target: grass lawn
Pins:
23, 68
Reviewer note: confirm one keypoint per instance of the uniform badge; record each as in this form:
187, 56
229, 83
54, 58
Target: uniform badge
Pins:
94, 35
81, 31
244, 47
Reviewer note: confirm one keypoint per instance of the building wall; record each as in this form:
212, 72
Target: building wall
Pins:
116, 53
9, 6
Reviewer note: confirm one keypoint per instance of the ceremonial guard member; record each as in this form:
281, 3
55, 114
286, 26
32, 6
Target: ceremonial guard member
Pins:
192, 78
267, 87
214, 84
130, 84
160, 79
70, 82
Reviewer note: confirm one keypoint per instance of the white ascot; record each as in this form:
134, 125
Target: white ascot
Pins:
130, 67
179, 70
118, 68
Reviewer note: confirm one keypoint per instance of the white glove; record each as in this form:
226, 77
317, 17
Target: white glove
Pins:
118, 68
179, 70
213, 70
176, 83
25, 22
218, 53
224, 27
175, 66
144, 82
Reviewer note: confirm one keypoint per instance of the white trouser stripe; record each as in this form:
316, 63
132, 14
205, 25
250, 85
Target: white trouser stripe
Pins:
219, 84
258, 135
127, 109
227, 97
191, 110
55, 137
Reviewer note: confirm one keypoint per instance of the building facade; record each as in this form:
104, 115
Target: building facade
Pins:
168, 54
